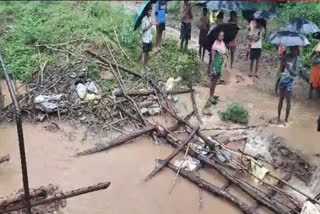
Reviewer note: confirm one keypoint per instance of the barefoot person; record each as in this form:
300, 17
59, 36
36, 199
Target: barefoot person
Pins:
160, 16
315, 74
233, 44
289, 69
216, 64
186, 18
146, 26
255, 36
204, 28
251, 27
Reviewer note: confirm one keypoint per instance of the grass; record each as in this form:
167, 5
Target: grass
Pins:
236, 113
26, 25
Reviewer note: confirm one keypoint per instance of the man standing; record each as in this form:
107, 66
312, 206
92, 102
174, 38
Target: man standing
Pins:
160, 15
146, 38
186, 18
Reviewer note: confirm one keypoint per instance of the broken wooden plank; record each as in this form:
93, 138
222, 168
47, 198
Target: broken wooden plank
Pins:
116, 142
176, 127
164, 162
60, 196
203, 184
4, 158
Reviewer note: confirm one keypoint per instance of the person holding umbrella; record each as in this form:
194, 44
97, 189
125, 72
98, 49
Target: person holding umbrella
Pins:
186, 18
315, 73
216, 64
146, 26
255, 36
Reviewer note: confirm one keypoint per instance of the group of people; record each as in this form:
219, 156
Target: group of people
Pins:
290, 62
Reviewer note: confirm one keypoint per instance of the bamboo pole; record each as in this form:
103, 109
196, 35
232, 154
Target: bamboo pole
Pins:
20, 136
117, 142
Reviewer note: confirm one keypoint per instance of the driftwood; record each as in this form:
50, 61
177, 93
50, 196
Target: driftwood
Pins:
152, 92
212, 189
60, 196
256, 194
163, 163
4, 158
194, 104
117, 142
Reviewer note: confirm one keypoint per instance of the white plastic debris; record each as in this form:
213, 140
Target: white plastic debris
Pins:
81, 91
90, 97
309, 208
154, 111
144, 110
48, 103
189, 164
92, 88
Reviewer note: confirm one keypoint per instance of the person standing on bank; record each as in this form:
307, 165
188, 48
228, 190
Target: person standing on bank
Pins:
216, 64
315, 73
146, 26
233, 44
290, 67
255, 36
204, 26
186, 18
160, 16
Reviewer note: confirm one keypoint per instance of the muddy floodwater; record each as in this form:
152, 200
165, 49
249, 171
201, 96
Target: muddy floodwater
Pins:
50, 160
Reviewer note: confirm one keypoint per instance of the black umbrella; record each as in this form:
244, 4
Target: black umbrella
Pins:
288, 39
263, 14
141, 12
230, 32
300, 25
227, 6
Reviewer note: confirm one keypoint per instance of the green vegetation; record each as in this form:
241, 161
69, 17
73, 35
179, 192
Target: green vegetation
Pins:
174, 9
34, 32
236, 113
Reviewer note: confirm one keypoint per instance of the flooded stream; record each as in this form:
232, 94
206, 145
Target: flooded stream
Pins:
49, 161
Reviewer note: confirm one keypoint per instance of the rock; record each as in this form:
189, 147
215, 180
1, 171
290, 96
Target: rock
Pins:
81, 91
49, 103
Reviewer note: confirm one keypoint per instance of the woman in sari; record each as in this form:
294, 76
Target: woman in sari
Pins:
216, 64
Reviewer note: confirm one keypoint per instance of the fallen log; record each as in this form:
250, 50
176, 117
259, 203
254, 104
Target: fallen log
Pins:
164, 162
59, 196
253, 192
116, 142
152, 92
4, 158
203, 184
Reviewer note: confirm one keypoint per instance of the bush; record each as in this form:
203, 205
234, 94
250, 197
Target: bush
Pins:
236, 113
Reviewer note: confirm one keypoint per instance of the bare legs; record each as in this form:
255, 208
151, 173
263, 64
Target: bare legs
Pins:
256, 68
158, 39
213, 85
284, 94
202, 52
232, 51
144, 61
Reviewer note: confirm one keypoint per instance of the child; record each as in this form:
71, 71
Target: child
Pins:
233, 44
186, 18
204, 28
255, 36
251, 27
146, 38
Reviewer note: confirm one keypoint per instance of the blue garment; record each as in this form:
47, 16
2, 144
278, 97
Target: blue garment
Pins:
161, 10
